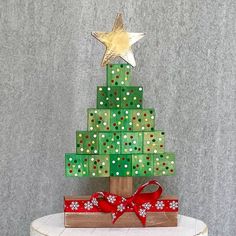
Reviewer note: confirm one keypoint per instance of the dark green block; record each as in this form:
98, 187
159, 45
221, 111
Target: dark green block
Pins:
99, 166
98, 119
109, 142
86, 142
142, 165
121, 120
108, 97
76, 165
143, 119
164, 164
120, 165
118, 74
153, 142
131, 97
132, 142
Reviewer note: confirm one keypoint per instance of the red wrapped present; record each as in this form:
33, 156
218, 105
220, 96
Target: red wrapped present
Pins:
104, 209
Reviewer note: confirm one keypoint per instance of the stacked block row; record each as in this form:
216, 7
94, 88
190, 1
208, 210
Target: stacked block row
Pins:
119, 97
121, 119
118, 75
120, 165
89, 142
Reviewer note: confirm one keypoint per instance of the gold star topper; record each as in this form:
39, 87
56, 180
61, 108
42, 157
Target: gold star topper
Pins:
118, 42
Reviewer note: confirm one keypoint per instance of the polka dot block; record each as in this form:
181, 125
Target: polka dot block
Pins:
98, 119
121, 120
153, 142
131, 97
86, 142
164, 164
108, 97
118, 74
132, 142
76, 165
99, 166
109, 142
120, 165
143, 119
142, 165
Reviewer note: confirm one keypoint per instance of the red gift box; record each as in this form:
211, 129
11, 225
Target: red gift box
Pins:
150, 209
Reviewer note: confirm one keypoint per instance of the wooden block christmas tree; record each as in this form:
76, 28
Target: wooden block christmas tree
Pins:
121, 142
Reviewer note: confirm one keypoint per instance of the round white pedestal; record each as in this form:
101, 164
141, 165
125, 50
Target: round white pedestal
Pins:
53, 225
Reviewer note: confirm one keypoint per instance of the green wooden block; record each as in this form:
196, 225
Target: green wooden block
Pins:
118, 74
143, 119
132, 142
120, 165
164, 164
86, 142
108, 97
153, 142
76, 165
142, 165
109, 142
131, 97
98, 119
121, 120
99, 166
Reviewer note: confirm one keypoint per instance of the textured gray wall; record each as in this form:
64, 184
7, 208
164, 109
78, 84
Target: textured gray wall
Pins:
50, 67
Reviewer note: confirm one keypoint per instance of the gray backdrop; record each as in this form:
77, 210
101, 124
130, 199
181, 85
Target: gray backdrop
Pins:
50, 67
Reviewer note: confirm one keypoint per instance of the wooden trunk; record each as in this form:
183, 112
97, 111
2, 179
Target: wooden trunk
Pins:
122, 186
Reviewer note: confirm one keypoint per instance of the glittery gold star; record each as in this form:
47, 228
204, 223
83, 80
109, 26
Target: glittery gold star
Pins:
118, 42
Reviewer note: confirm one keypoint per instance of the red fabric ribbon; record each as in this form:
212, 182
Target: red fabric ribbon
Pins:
139, 202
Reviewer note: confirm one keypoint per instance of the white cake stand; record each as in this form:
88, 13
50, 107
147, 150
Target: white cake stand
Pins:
53, 225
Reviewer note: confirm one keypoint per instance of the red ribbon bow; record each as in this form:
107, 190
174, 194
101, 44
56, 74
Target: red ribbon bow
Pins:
139, 202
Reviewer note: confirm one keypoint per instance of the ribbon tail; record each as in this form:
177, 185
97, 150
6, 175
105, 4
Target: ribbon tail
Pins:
141, 214
116, 216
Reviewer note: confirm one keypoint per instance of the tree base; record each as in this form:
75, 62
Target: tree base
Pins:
127, 220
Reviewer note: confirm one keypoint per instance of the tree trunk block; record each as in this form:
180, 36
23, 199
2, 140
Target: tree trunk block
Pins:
122, 186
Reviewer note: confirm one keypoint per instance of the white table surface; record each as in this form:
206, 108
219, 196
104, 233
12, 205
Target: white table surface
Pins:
53, 225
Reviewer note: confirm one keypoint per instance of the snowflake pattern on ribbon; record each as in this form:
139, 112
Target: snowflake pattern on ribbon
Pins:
113, 215
147, 205
88, 205
159, 205
94, 201
142, 212
111, 198
74, 206
123, 199
120, 207
173, 205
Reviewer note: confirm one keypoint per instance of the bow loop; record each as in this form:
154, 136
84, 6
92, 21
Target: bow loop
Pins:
139, 202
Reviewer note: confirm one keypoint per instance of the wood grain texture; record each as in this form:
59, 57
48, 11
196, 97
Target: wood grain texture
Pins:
49, 70
128, 219
122, 186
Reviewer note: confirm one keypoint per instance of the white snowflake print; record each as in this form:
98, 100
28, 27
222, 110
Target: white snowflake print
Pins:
123, 199
120, 207
147, 205
142, 212
113, 215
94, 202
111, 198
88, 205
160, 205
74, 206
174, 205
